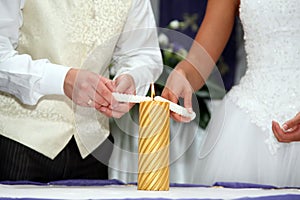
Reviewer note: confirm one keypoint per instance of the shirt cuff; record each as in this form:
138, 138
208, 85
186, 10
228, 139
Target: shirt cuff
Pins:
53, 79
142, 82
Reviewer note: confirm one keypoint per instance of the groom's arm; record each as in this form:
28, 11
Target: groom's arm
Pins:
137, 52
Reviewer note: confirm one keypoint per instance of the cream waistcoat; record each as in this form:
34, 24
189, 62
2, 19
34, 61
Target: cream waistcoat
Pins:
76, 33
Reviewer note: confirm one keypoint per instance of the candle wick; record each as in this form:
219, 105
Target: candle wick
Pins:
152, 91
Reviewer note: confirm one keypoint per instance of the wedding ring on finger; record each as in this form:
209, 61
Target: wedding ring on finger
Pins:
89, 102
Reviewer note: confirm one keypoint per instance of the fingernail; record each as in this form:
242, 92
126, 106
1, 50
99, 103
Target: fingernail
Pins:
285, 127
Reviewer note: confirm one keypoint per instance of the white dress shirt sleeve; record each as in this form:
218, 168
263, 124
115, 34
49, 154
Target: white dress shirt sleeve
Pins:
137, 52
21, 76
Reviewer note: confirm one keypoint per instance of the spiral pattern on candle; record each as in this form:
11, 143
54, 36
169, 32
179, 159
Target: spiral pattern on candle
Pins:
154, 146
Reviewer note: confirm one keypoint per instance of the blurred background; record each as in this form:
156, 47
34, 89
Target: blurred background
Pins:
232, 64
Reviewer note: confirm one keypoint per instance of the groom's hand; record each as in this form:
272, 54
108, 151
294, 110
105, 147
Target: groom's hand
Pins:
88, 89
122, 84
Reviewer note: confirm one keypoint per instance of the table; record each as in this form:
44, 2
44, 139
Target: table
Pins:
115, 189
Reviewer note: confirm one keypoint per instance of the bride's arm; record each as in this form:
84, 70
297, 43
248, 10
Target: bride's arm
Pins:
190, 74
210, 40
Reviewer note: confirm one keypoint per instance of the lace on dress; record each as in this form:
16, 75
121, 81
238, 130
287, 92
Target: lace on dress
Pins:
269, 90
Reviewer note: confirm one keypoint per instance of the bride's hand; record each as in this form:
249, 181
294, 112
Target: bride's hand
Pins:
178, 86
290, 131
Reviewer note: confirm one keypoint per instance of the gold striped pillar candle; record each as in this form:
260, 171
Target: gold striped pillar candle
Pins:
153, 148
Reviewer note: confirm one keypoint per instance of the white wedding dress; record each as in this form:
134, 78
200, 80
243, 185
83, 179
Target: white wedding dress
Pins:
239, 144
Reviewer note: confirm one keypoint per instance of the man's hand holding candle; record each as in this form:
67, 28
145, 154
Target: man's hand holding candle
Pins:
122, 84
88, 89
